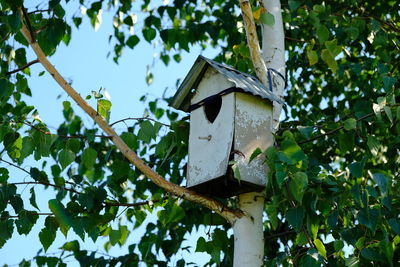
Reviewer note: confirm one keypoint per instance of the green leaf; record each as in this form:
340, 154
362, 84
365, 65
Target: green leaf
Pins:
66, 157
321, 248
350, 124
89, 157
147, 132
171, 214
382, 182
305, 131
74, 145
104, 108
356, 169
236, 172
333, 48
329, 60
201, 245
371, 255
4, 175
63, 218
149, 34
17, 203
13, 145
338, 245
368, 217
322, 33
373, 144
71, 246
115, 235
312, 57
301, 239
268, 19
32, 199
28, 147
297, 185
123, 229
47, 237
295, 217
292, 151
130, 139
388, 113
132, 41
255, 153
394, 225
333, 219
26, 220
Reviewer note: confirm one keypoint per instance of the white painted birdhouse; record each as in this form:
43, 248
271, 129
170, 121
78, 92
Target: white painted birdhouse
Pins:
230, 117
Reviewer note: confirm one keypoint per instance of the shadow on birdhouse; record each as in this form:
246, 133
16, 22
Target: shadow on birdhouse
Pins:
230, 117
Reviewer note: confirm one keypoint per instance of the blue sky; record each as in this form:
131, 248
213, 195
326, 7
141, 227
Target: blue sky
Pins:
84, 63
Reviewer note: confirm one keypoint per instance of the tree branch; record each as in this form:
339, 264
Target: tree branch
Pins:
229, 214
136, 204
252, 42
63, 136
27, 65
48, 184
15, 165
333, 131
143, 118
33, 213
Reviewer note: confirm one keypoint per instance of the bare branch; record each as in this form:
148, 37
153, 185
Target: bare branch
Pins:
15, 166
27, 65
136, 204
138, 119
48, 184
334, 130
40, 11
229, 214
63, 136
33, 213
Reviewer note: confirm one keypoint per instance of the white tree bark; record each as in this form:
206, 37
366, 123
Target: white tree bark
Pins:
248, 230
273, 49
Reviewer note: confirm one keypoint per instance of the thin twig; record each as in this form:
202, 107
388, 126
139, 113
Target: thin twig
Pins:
15, 165
40, 11
333, 131
60, 135
48, 184
273, 236
33, 213
143, 118
27, 65
136, 204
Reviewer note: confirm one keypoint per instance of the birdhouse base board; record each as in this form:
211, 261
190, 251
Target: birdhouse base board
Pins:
224, 187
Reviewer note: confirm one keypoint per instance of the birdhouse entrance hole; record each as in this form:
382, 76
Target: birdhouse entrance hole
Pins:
212, 108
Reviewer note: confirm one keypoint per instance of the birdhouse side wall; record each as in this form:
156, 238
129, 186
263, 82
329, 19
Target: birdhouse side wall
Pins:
253, 117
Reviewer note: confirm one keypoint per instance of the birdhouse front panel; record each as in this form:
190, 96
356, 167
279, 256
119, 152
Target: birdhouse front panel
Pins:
211, 130
253, 117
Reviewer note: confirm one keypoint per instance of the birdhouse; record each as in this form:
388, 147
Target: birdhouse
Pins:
230, 117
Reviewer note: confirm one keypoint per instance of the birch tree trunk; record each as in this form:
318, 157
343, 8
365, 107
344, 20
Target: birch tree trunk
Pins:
273, 52
248, 230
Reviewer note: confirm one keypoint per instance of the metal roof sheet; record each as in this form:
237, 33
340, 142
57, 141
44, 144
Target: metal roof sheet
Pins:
244, 81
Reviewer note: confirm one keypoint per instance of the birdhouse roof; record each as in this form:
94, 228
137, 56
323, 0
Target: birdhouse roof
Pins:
243, 81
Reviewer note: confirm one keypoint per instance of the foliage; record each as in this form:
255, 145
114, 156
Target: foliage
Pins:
333, 194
